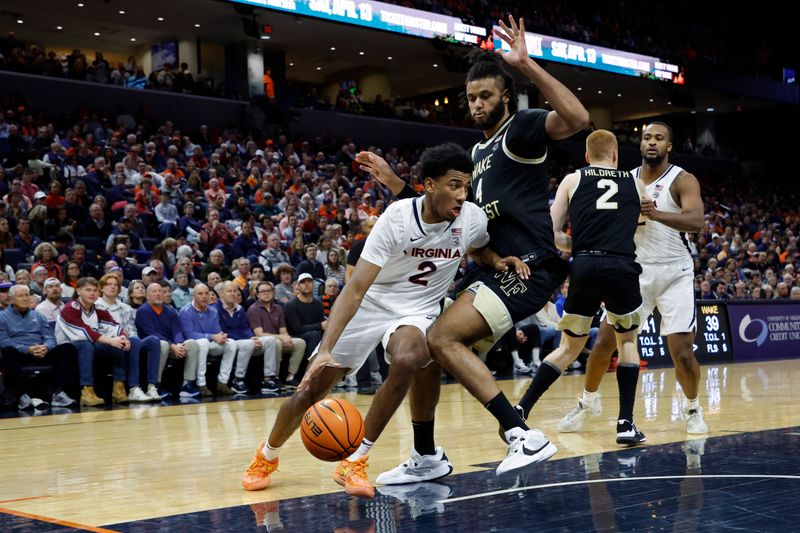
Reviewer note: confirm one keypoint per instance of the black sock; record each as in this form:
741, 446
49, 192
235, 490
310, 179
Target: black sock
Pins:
504, 412
627, 377
423, 437
546, 375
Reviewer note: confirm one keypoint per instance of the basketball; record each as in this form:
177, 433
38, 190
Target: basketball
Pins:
332, 429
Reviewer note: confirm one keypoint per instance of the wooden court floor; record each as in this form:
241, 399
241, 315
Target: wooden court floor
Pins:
107, 467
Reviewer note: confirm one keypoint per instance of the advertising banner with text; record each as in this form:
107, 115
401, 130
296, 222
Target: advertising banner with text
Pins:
769, 331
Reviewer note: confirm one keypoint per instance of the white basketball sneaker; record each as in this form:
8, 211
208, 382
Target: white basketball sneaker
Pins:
525, 448
574, 420
418, 468
695, 423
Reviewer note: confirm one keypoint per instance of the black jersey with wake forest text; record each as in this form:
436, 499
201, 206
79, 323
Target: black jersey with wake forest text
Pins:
510, 184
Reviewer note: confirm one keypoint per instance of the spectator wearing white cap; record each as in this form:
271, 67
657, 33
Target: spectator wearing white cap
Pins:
305, 317
149, 275
52, 305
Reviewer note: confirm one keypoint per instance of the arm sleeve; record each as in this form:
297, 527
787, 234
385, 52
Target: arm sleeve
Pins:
5, 339
176, 331
385, 238
73, 320
47, 333
526, 137
295, 321
188, 327
107, 325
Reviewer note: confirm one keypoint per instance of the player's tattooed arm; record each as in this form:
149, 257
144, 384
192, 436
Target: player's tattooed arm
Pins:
380, 170
488, 257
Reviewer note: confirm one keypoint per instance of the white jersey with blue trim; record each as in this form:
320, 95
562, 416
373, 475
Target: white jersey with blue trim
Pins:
657, 243
419, 261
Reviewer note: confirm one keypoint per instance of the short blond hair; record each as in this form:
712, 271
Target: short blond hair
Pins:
600, 144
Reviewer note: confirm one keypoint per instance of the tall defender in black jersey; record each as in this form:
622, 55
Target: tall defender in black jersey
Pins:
510, 184
602, 206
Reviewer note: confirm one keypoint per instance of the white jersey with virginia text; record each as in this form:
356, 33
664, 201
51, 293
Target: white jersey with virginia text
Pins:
657, 243
419, 261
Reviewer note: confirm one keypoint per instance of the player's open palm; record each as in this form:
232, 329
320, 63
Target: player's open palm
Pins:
377, 166
514, 35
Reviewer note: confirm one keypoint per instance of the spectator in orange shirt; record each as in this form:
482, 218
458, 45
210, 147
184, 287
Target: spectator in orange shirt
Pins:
269, 86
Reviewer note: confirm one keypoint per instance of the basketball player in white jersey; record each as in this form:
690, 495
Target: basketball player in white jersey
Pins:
395, 293
672, 206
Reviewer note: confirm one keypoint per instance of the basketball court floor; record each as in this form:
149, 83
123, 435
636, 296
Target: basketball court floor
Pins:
178, 468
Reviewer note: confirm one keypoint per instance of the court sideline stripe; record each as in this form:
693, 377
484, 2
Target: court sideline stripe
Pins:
610, 480
56, 521
25, 499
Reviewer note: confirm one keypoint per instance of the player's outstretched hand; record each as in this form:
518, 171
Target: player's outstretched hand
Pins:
377, 166
522, 269
648, 208
514, 35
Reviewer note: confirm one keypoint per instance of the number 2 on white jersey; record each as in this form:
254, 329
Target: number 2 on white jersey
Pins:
603, 201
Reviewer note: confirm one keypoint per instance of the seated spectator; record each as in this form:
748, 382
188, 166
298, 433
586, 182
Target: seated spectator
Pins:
125, 316
96, 226
216, 264
305, 317
5, 268
27, 339
24, 240
93, 332
246, 244
51, 305
201, 323
5, 286
267, 321
284, 290
182, 293
242, 273
233, 320
39, 274
137, 295
72, 273
334, 267
78, 256
45, 255
329, 295
273, 255
216, 233
311, 265
161, 321
166, 215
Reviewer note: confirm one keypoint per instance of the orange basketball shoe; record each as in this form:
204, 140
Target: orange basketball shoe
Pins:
352, 475
256, 477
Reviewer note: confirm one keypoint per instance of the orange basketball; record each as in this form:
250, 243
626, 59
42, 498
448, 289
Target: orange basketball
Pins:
332, 429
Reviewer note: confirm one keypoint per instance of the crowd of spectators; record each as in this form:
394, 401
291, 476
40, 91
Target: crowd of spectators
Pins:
244, 242
17, 56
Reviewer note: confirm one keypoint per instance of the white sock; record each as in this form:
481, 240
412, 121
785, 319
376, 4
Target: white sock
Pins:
588, 397
366, 446
515, 357
535, 356
269, 452
692, 405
